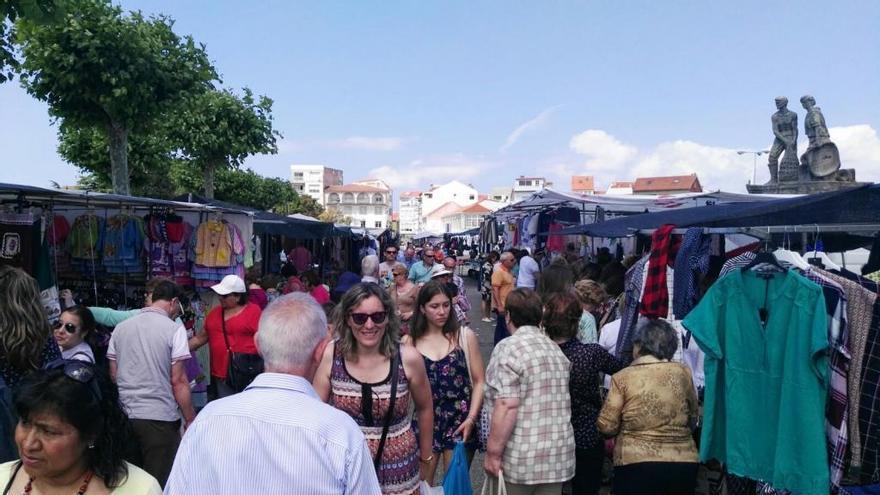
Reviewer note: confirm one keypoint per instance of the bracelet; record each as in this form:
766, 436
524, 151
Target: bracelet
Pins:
429, 459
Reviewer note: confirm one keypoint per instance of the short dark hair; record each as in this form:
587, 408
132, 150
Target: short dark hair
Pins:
562, 313
99, 418
524, 307
656, 338
166, 290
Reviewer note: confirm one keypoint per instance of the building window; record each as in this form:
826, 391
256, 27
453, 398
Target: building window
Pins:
471, 197
380, 210
378, 199
429, 195
333, 198
363, 224
363, 198
347, 209
378, 224
297, 175
362, 210
348, 198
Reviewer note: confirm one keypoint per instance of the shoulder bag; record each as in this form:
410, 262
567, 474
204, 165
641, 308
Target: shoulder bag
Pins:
242, 367
390, 413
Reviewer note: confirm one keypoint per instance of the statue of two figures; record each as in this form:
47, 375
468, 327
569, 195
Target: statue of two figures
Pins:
821, 161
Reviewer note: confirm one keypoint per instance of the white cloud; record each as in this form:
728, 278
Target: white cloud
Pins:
530, 125
432, 170
290, 146
608, 159
369, 143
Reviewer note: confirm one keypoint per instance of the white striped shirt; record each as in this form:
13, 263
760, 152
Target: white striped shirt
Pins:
276, 437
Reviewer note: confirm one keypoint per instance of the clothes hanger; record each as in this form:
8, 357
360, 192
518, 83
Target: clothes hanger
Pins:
764, 259
820, 256
786, 255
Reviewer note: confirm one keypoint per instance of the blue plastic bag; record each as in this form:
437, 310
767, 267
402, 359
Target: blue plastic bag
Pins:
458, 479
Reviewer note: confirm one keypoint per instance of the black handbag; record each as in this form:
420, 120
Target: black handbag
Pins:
242, 367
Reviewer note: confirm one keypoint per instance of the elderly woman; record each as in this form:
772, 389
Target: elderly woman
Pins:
455, 371
370, 269
651, 408
229, 328
71, 434
368, 374
592, 297
561, 314
403, 292
527, 402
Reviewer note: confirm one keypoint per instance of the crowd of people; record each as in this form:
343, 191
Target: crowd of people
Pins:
366, 387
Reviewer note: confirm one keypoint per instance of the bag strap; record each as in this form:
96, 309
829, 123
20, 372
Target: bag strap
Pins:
223, 326
390, 413
463, 343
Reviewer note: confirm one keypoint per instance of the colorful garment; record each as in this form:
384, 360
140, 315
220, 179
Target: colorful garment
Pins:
587, 333
214, 244
763, 377
451, 390
399, 468
664, 247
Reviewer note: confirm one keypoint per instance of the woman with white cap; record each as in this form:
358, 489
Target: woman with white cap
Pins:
229, 332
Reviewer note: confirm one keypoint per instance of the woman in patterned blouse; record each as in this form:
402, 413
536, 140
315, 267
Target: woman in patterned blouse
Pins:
651, 409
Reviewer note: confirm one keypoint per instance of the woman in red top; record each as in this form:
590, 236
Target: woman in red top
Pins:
314, 287
241, 318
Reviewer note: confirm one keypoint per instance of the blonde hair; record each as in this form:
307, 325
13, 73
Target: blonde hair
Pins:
24, 326
590, 292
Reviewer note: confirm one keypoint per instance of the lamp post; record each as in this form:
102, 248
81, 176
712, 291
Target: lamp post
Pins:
755, 155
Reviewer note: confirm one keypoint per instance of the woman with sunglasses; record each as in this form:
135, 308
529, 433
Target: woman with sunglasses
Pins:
71, 436
71, 330
367, 373
455, 371
403, 293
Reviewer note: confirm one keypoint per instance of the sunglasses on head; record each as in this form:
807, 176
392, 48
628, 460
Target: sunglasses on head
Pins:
361, 318
79, 371
68, 327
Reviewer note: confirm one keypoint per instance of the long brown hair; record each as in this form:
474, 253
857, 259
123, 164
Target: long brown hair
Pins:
420, 323
350, 300
24, 326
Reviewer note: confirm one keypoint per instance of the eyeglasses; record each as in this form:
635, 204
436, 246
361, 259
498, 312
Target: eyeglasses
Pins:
79, 371
361, 318
68, 327
390, 251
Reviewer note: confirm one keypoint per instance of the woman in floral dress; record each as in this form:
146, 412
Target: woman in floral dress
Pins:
456, 390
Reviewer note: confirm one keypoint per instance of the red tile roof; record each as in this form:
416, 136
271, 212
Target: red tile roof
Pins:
582, 183
475, 208
410, 194
684, 183
353, 188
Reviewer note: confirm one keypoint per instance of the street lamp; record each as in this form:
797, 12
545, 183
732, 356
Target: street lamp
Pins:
755, 155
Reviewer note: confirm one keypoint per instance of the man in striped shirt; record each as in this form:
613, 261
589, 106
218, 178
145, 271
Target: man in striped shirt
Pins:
277, 436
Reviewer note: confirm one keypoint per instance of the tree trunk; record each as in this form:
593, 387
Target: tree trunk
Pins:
118, 134
210, 168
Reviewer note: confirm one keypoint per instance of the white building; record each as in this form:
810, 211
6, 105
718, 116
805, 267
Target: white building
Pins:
523, 187
500, 194
441, 200
410, 213
312, 180
367, 203
620, 188
468, 217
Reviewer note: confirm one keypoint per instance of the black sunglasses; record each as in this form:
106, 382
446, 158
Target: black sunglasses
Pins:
390, 251
68, 327
361, 318
79, 371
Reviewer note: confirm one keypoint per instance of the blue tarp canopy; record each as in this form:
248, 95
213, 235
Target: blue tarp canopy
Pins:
858, 205
271, 223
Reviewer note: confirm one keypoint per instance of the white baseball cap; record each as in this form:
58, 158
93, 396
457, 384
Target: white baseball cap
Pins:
440, 272
230, 284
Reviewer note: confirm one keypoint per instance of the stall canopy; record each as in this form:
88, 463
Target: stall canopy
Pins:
850, 207
271, 223
549, 198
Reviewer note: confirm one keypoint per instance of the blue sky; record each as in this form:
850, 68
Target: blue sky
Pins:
424, 92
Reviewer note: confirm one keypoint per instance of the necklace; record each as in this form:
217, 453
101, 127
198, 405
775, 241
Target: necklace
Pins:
81, 491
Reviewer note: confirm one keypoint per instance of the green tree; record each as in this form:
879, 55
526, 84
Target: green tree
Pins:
242, 187
303, 204
98, 67
218, 129
334, 215
10, 11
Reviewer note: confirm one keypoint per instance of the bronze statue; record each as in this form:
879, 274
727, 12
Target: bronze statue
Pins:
821, 158
784, 123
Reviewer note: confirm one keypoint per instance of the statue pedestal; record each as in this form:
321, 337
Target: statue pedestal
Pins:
807, 186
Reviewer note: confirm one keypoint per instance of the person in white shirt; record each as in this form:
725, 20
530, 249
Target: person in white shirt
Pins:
277, 436
529, 270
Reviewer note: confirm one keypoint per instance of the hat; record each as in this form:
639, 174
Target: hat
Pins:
230, 284
346, 281
439, 271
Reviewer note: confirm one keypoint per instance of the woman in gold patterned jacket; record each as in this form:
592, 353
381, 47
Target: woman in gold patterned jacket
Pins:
651, 409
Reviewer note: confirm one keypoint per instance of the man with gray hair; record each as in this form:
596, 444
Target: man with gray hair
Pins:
277, 436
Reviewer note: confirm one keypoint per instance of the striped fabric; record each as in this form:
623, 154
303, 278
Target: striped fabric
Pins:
275, 438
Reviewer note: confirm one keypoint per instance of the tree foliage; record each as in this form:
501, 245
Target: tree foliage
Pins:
11, 10
218, 129
303, 204
334, 215
242, 187
98, 67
